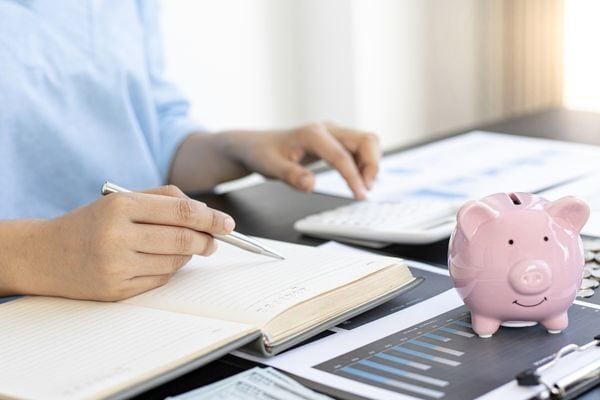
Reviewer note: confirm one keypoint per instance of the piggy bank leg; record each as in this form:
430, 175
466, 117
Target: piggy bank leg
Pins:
485, 327
556, 324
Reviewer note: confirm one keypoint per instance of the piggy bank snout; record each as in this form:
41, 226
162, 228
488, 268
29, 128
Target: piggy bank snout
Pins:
530, 277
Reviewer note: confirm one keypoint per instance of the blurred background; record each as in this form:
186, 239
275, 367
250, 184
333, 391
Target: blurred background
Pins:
406, 69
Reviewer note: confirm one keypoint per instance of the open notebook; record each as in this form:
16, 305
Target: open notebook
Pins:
58, 348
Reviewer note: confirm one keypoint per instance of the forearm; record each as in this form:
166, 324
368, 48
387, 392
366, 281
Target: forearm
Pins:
205, 160
18, 244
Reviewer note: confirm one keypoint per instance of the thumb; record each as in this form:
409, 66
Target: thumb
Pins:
293, 174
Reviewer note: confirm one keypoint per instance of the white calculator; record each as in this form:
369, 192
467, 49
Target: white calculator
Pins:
411, 221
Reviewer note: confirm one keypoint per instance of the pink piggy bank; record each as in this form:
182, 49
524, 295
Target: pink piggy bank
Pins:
516, 258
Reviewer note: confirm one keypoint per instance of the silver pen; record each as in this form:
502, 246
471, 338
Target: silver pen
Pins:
234, 238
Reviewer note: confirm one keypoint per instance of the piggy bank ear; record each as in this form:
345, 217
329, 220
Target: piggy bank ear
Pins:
472, 215
571, 211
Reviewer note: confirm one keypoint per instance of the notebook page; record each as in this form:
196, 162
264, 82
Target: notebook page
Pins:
239, 286
64, 349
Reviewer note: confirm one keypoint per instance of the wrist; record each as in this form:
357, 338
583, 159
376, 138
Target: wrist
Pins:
19, 244
233, 146
204, 160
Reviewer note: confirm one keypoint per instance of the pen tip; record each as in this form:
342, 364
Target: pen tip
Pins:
274, 255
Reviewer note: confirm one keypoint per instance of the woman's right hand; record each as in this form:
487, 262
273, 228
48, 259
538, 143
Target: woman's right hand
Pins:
119, 246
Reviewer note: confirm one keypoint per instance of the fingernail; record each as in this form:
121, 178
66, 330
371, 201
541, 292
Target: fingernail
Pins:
305, 182
228, 224
362, 193
213, 247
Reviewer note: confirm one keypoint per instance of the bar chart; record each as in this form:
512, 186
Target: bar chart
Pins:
442, 358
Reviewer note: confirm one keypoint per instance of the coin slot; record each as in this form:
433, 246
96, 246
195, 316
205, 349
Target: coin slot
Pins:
515, 199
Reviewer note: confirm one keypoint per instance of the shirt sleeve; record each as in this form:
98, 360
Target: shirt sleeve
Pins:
171, 106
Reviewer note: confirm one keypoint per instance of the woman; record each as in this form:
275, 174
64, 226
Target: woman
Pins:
83, 99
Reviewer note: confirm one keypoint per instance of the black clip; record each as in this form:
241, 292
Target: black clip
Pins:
529, 377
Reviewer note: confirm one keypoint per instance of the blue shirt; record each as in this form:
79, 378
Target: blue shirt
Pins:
83, 99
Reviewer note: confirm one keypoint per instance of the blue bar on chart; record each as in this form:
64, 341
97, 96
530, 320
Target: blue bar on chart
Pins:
436, 394
427, 356
400, 372
457, 332
462, 323
437, 337
441, 349
403, 361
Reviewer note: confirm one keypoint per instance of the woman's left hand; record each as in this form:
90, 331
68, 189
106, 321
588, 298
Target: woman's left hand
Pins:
283, 154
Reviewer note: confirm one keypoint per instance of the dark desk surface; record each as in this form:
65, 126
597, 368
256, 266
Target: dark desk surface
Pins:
264, 210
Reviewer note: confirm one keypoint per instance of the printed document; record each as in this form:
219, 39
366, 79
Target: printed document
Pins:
471, 166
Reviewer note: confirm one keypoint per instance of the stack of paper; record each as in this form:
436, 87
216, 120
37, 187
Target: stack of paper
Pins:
256, 383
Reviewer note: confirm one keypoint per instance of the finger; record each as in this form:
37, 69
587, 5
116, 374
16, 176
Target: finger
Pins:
167, 190
171, 240
365, 147
291, 172
171, 211
158, 264
317, 139
368, 156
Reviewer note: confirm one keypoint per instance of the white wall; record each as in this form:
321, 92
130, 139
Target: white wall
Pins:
404, 69
218, 54
416, 67
582, 57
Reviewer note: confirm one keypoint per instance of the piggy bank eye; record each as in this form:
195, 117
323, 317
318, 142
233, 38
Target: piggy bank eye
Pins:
545, 238
511, 242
